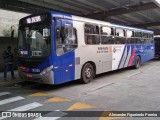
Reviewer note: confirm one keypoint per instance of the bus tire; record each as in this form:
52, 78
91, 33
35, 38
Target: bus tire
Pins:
87, 74
137, 63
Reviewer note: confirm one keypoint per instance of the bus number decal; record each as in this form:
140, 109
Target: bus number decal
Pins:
36, 53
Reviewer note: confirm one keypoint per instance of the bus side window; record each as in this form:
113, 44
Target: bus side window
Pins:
106, 35
120, 40
120, 36
143, 41
92, 39
129, 36
112, 31
138, 34
106, 31
138, 40
145, 35
89, 39
120, 32
132, 40
128, 40
92, 36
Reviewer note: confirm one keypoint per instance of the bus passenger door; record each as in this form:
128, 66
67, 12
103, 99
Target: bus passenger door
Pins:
67, 67
66, 42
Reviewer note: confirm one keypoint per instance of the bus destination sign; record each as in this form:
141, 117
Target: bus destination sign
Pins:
34, 19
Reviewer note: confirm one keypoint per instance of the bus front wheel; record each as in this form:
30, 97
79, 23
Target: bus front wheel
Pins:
87, 73
137, 62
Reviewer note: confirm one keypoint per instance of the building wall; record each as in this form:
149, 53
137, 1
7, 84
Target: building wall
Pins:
9, 18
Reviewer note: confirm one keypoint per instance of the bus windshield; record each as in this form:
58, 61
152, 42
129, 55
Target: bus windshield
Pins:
34, 41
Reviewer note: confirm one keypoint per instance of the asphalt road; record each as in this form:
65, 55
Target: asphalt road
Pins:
122, 90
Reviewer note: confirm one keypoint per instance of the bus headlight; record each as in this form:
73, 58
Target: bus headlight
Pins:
48, 69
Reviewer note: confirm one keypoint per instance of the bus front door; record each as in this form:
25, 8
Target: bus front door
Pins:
67, 67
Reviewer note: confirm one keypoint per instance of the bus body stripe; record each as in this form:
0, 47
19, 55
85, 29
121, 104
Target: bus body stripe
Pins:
125, 57
127, 50
122, 58
128, 57
132, 58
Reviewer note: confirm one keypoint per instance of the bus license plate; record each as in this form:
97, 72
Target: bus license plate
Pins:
29, 75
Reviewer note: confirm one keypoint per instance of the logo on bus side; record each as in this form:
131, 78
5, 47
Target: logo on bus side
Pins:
104, 49
116, 49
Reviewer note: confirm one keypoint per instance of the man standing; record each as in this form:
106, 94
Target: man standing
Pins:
8, 62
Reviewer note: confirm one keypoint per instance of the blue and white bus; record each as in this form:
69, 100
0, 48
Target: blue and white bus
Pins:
56, 47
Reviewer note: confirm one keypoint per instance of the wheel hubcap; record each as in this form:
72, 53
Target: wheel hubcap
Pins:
88, 72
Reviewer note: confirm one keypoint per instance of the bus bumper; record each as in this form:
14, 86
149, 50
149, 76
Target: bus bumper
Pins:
45, 78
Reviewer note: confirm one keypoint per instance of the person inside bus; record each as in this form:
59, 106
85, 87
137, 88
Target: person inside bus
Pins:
89, 40
67, 43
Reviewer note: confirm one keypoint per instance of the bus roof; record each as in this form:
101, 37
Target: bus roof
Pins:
83, 19
108, 24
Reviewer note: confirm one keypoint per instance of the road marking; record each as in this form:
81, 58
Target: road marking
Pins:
4, 93
10, 100
27, 107
80, 105
47, 118
100, 87
134, 74
38, 94
57, 99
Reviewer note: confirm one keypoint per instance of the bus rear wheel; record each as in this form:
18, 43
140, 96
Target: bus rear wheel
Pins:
137, 62
87, 73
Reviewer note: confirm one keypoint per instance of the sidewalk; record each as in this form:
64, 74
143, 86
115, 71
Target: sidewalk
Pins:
9, 79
